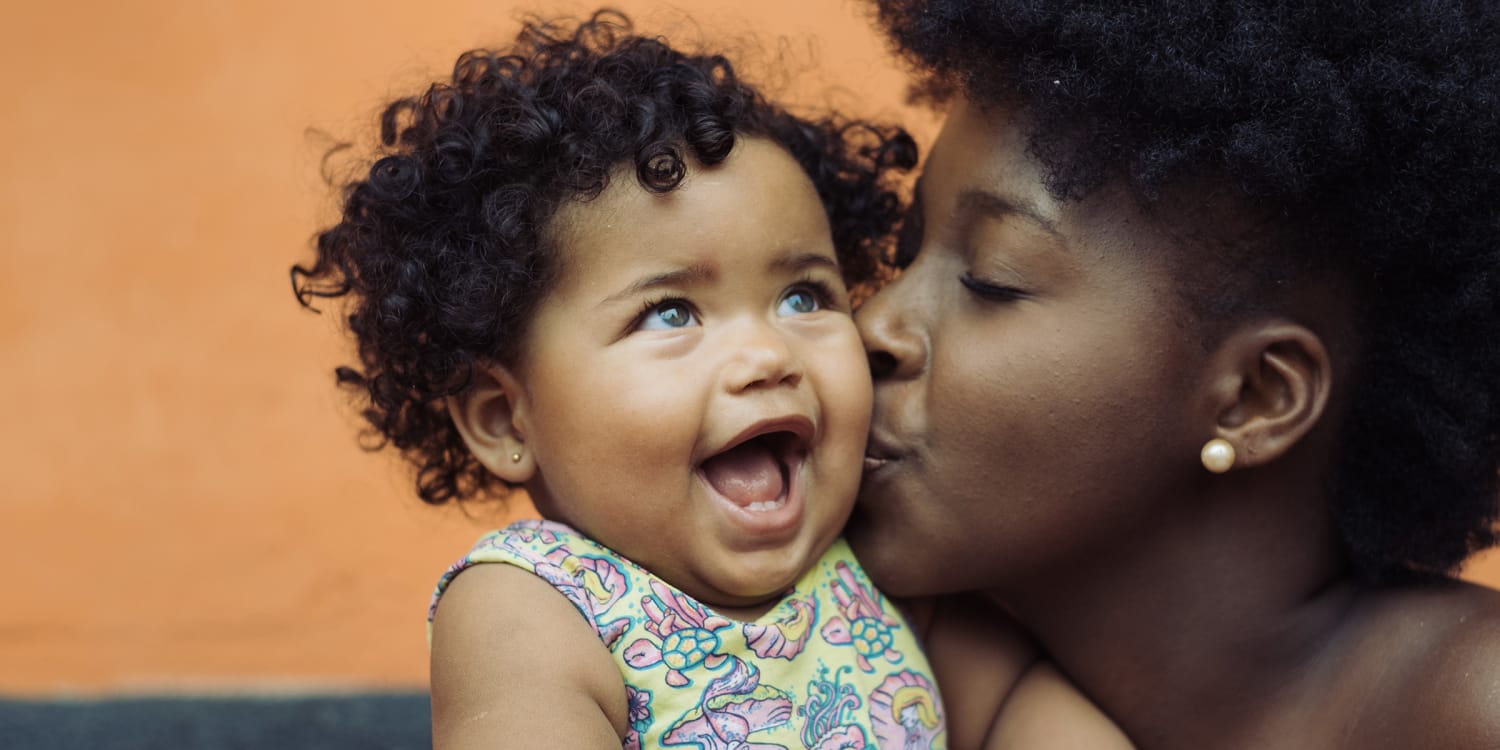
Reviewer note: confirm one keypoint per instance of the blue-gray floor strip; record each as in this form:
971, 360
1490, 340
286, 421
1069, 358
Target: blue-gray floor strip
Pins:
369, 721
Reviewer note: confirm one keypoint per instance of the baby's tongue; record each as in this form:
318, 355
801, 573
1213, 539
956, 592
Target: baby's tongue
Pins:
746, 474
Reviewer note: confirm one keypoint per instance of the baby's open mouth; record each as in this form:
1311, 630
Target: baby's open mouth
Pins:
754, 474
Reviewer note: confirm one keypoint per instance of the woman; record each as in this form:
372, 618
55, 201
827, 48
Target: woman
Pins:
1194, 364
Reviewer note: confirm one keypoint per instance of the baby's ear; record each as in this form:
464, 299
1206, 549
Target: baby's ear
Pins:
489, 415
1272, 387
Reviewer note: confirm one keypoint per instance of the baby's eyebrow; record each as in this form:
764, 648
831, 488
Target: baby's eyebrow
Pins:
795, 262
698, 273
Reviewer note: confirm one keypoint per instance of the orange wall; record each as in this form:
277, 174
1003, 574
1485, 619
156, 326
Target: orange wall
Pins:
185, 505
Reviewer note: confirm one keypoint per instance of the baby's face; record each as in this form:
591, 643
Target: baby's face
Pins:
696, 395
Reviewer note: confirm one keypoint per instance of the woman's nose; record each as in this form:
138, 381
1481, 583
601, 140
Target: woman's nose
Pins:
892, 343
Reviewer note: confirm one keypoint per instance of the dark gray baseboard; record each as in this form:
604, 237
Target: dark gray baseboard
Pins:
380, 721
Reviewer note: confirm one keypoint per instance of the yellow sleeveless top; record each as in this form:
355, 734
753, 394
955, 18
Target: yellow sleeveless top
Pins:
832, 665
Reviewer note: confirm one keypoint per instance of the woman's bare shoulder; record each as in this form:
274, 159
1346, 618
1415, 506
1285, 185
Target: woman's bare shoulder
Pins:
1434, 651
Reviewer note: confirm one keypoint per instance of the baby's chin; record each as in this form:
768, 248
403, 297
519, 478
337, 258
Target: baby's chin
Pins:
751, 591
757, 588
731, 579
746, 606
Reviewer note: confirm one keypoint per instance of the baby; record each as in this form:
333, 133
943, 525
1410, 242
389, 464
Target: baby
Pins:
612, 274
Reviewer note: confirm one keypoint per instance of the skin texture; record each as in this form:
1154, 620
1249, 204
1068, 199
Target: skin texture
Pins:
1039, 439
748, 337
684, 324
624, 391
1078, 340
997, 693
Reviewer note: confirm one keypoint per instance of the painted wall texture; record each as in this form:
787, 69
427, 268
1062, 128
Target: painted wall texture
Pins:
185, 504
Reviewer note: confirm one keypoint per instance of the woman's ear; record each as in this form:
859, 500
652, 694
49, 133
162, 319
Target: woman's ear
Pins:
1272, 386
490, 415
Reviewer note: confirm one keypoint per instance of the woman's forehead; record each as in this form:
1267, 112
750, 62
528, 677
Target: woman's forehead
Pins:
982, 150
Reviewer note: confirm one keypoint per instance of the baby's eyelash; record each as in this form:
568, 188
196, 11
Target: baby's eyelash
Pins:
652, 305
821, 289
826, 293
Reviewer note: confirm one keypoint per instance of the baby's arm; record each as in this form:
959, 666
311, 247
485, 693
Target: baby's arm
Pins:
1045, 711
998, 692
977, 656
513, 665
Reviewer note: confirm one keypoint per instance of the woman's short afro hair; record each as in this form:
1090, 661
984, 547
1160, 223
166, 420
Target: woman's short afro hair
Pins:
442, 253
1374, 127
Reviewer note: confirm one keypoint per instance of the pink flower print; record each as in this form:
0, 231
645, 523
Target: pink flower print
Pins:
688, 634
638, 704
905, 712
638, 707
786, 638
732, 708
864, 624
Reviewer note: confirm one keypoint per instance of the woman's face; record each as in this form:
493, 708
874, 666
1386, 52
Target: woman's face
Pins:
1033, 373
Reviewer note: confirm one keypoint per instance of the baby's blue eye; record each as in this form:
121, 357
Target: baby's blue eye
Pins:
666, 316
798, 302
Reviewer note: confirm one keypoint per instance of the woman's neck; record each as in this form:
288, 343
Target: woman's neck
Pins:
1196, 629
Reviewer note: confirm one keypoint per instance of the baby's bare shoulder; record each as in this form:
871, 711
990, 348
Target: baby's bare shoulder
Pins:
514, 665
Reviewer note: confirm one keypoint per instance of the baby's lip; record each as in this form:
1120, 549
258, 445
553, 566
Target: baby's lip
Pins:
798, 428
788, 439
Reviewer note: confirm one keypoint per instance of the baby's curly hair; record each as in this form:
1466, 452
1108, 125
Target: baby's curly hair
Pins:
1372, 129
442, 250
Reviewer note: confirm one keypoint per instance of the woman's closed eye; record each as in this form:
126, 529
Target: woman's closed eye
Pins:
990, 290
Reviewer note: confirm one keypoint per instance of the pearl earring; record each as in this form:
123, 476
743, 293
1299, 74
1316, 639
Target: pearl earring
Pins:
515, 458
1217, 455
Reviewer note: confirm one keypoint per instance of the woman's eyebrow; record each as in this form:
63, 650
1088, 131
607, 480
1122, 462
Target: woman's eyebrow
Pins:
999, 206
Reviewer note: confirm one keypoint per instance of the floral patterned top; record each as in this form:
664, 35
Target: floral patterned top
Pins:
832, 665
